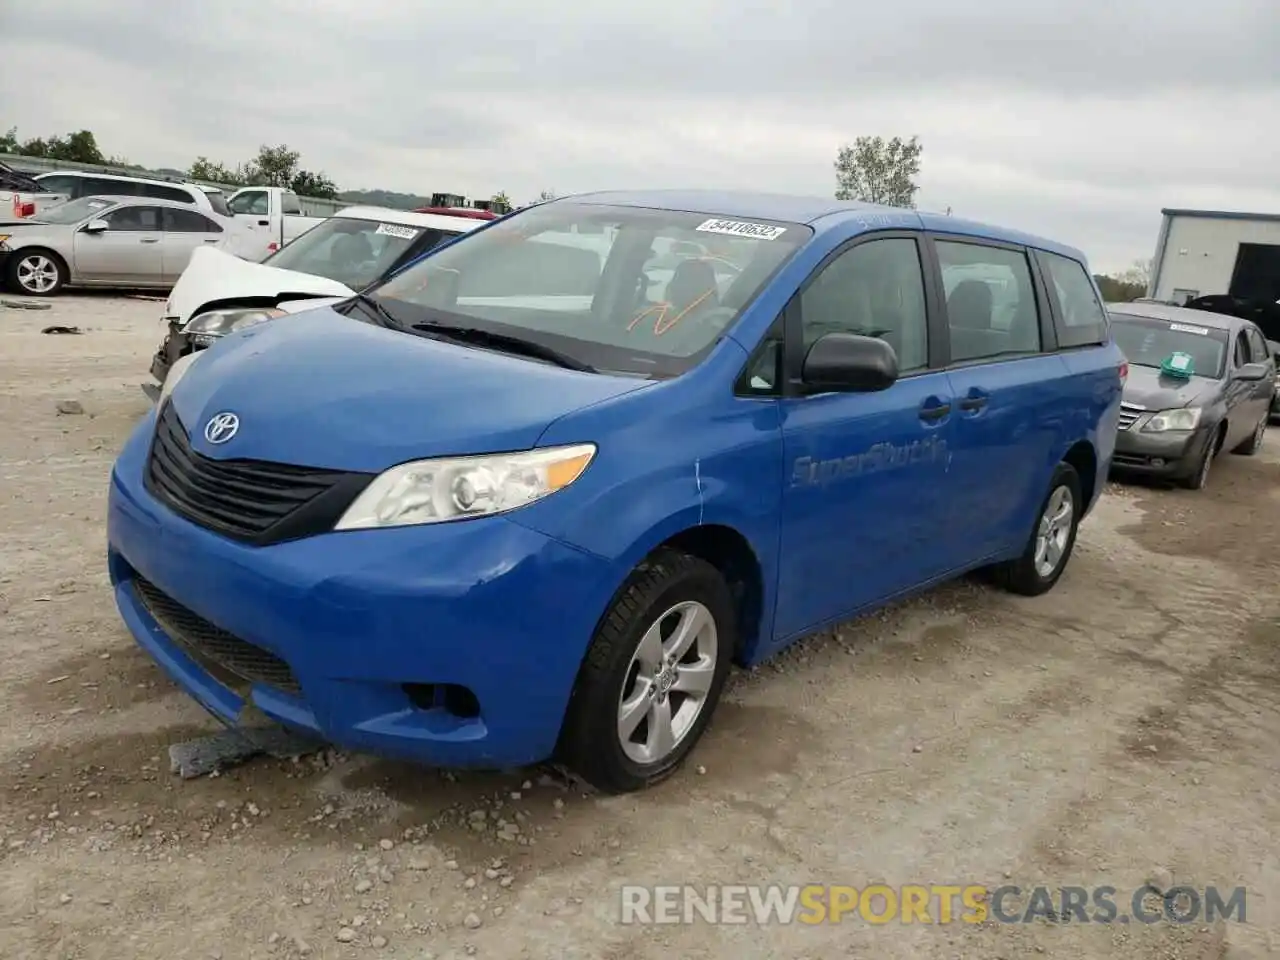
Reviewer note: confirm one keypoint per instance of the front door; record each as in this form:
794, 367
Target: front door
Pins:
865, 501
127, 252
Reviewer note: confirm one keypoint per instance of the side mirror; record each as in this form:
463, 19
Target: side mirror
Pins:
849, 362
1252, 372
96, 226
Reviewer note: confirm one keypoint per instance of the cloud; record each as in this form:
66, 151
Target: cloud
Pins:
1057, 117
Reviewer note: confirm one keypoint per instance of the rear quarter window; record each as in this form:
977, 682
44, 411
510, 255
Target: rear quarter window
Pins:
158, 192
1079, 318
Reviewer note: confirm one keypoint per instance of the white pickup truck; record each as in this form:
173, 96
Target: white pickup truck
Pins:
268, 218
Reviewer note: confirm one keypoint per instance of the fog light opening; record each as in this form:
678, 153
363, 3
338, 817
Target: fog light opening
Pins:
450, 697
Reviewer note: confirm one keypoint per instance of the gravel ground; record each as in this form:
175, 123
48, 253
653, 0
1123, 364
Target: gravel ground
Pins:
1120, 729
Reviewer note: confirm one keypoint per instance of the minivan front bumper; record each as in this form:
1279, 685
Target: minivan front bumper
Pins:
454, 644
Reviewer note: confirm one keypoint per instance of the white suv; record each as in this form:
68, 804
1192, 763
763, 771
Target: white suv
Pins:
74, 184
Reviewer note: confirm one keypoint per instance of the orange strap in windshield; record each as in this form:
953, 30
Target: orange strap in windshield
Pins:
659, 312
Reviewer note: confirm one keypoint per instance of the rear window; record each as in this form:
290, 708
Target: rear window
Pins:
1081, 320
158, 192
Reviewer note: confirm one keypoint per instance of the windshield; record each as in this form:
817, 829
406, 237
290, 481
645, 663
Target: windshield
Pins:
1148, 342
353, 252
74, 211
621, 289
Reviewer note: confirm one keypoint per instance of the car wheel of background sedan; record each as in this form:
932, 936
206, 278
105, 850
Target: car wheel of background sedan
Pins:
652, 675
1052, 540
37, 273
1254, 443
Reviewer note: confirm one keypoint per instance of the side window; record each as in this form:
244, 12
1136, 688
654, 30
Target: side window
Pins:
188, 221
1081, 320
159, 192
1242, 349
762, 376
289, 203
97, 187
58, 184
875, 289
134, 219
252, 202
1257, 346
991, 301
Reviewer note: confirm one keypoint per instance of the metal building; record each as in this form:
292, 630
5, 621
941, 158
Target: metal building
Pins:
1204, 252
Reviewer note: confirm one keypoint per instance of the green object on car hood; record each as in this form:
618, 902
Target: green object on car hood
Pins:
1180, 365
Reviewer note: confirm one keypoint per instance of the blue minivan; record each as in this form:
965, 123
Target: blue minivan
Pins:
531, 497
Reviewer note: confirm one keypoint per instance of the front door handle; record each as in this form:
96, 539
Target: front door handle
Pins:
264, 223
211, 240
973, 403
149, 240
935, 412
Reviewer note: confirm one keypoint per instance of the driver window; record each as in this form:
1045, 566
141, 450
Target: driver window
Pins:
252, 202
1242, 350
874, 289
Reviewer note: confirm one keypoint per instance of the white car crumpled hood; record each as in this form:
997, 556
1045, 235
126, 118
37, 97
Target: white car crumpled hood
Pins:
213, 275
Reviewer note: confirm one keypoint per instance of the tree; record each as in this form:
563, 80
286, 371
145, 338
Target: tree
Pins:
1138, 274
276, 166
1117, 289
308, 184
875, 170
501, 203
78, 147
208, 170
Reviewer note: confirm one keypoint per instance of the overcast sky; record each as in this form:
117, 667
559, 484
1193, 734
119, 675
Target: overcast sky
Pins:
1072, 118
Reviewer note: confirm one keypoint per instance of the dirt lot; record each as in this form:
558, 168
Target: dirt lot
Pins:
1125, 727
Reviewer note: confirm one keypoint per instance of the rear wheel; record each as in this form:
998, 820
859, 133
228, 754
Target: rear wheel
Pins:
1052, 540
37, 273
652, 676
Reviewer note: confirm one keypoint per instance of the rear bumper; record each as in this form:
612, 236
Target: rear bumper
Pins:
1171, 454
454, 645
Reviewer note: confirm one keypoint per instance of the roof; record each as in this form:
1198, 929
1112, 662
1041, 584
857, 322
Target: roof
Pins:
1221, 215
150, 202
821, 213
119, 176
1166, 311
410, 218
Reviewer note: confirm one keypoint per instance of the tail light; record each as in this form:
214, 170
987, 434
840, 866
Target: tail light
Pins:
273, 247
1124, 370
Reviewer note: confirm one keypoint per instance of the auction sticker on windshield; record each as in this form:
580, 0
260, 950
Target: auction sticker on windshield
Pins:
1187, 328
736, 228
395, 230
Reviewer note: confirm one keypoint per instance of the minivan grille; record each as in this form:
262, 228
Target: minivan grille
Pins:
248, 500
215, 648
1129, 414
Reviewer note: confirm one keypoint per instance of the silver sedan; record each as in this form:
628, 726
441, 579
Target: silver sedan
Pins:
105, 242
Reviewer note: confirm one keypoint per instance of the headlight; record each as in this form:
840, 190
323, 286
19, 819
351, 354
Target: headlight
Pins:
208, 326
1186, 418
176, 373
455, 488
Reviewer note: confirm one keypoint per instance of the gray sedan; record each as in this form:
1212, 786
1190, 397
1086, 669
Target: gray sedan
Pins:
105, 242
1199, 383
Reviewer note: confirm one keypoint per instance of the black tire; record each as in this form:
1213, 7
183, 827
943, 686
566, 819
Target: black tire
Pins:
1251, 446
15, 272
591, 744
1022, 576
1198, 479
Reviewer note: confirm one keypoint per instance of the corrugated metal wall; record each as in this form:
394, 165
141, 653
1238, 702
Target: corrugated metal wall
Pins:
1200, 253
311, 206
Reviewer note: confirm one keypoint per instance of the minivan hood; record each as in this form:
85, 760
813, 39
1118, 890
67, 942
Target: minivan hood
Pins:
216, 275
323, 390
1150, 389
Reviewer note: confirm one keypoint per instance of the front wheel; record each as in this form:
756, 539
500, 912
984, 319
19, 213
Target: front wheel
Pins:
1052, 540
36, 273
652, 676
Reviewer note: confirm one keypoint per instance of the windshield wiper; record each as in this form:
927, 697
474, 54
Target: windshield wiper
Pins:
376, 309
504, 342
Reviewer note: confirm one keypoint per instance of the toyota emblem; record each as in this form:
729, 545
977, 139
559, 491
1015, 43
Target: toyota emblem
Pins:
221, 427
